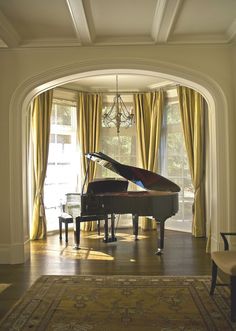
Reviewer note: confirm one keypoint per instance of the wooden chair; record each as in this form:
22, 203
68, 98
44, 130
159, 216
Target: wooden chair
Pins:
226, 262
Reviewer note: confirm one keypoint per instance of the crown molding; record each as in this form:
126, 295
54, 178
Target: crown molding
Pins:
50, 43
220, 38
124, 40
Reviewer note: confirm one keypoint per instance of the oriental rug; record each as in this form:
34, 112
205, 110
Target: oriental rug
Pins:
115, 303
3, 287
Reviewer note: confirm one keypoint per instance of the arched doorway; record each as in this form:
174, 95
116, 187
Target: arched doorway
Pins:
18, 132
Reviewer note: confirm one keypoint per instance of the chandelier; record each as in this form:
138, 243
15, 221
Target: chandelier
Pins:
118, 114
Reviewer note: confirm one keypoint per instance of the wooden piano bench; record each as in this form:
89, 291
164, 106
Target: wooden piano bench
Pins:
66, 219
96, 218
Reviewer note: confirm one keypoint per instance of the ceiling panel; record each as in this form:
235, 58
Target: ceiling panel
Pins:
121, 18
39, 19
205, 17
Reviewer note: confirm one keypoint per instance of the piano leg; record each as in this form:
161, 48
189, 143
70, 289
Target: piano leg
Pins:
99, 227
106, 238
76, 232
135, 226
160, 240
106, 232
113, 237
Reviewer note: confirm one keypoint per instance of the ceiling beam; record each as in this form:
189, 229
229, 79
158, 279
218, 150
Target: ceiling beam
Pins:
231, 31
80, 22
164, 19
7, 32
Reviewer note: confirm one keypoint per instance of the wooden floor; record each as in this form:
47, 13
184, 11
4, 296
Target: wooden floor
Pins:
183, 255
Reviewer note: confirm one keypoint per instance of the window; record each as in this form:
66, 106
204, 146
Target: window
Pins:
174, 165
63, 169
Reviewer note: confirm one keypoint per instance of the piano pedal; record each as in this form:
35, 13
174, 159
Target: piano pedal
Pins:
109, 240
159, 252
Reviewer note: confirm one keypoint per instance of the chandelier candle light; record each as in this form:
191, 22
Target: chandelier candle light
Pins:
118, 114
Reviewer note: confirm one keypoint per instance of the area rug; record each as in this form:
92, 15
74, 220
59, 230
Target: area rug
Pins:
112, 303
3, 287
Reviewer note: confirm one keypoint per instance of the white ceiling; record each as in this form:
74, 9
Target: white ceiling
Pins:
45, 23
67, 23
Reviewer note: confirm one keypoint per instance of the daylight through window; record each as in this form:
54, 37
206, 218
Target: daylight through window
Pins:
63, 170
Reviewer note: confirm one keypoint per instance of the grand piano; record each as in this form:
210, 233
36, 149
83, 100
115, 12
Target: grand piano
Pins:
109, 196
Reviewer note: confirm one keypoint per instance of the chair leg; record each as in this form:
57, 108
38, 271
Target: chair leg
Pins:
233, 298
60, 229
66, 231
213, 277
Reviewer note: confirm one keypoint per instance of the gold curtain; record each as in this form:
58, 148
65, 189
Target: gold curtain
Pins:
148, 114
88, 123
191, 105
40, 122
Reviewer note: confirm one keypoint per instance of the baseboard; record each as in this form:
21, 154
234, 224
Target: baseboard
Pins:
15, 253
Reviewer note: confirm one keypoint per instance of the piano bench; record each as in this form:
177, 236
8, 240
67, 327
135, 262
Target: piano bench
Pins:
92, 218
66, 219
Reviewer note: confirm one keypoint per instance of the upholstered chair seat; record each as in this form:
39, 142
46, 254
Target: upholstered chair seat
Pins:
226, 262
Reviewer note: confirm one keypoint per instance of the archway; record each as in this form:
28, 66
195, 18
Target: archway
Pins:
219, 159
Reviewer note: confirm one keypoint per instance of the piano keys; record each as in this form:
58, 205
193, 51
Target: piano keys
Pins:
109, 196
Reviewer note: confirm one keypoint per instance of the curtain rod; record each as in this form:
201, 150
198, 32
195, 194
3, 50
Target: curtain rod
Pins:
120, 92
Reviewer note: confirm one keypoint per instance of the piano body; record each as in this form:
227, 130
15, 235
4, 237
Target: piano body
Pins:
104, 197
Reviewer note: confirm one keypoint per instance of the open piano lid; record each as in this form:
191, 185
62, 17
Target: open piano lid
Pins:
141, 177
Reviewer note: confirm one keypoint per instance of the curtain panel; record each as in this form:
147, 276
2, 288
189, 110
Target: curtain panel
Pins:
149, 109
89, 112
40, 123
191, 105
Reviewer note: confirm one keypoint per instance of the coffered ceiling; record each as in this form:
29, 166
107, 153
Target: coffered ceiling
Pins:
50, 23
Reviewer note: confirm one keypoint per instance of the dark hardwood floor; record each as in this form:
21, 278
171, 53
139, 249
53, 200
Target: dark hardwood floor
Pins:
183, 255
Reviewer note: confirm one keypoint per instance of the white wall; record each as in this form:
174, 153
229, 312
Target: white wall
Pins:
25, 72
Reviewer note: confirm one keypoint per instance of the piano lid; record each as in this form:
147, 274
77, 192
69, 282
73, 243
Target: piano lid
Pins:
141, 177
